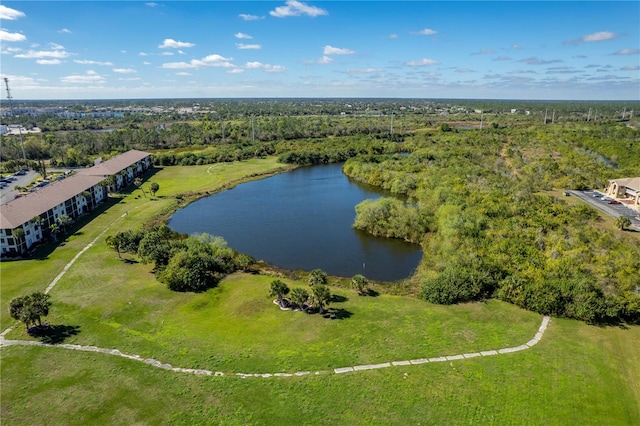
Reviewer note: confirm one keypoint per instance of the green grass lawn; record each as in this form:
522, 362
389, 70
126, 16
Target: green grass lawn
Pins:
577, 374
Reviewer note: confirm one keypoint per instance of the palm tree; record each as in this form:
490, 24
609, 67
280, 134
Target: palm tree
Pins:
299, 297
317, 276
18, 235
359, 283
55, 229
114, 242
153, 188
64, 221
278, 289
320, 296
138, 182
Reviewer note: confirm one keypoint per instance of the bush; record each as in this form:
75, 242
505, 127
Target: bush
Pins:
457, 284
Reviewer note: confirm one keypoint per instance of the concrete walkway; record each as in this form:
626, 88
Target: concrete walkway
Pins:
339, 370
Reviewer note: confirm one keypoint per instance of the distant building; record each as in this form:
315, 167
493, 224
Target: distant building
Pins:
625, 189
35, 212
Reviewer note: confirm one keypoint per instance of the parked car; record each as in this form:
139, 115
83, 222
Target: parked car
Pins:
614, 202
21, 172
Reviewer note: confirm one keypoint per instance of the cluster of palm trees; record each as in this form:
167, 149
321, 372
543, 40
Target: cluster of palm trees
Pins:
30, 309
318, 296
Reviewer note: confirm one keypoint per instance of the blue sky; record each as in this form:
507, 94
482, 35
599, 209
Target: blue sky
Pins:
288, 48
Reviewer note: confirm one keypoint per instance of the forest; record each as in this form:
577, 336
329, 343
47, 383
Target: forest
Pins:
480, 183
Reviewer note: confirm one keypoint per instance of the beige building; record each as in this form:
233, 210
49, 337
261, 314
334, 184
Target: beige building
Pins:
626, 190
79, 193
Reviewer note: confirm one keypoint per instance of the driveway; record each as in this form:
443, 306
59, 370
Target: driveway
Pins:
594, 198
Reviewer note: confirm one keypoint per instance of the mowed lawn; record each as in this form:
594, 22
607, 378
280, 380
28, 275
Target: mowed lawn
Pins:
577, 374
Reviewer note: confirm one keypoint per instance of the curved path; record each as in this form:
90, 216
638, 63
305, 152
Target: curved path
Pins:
339, 370
156, 363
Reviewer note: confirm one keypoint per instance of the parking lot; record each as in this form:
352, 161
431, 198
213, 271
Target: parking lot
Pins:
7, 192
608, 206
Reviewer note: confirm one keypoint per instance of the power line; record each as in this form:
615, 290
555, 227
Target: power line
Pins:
6, 82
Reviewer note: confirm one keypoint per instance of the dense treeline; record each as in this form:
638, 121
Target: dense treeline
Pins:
159, 125
183, 263
488, 228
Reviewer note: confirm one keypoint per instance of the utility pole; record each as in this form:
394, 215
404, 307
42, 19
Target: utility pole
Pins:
24, 153
391, 129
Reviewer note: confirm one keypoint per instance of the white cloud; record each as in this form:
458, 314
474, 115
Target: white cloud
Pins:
207, 61
248, 46
129, 79
516, 47
426, 31
170, 43
89, 62
330, 50
501, 58
393, 36
48, 61
537, 61
235, 71
7, 36
627, 52
325, 60
38, 54
297, 8
630, 68
247, 17
56, 46
243, 36
151, 4
183, 73
124, 71
10, 14
65, 31
91, 77
143, 54
364, 70
590, 38
422, 63
600, 36
167, 54
484, 52
265, 67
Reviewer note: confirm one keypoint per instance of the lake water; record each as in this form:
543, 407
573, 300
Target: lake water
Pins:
301, 220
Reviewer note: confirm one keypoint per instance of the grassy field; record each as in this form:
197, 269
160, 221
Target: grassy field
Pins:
577, 374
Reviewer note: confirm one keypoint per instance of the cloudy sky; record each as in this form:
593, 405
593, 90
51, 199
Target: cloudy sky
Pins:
289, 48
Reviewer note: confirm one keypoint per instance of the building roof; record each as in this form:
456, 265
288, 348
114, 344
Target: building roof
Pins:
632, 183
23, 209
115, 164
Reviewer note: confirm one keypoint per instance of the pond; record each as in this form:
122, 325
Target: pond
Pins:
301, 220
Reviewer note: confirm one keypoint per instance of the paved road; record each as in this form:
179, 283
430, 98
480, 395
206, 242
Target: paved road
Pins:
594, 198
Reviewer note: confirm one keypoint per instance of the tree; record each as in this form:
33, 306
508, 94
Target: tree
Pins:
299, 296
153, 188
18, 235
188, 271
138, 182
320, 296
64, 221
359, 283
37, 221
623, 222
114, 242
30, 309
278, 289
55, 229
317, 276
